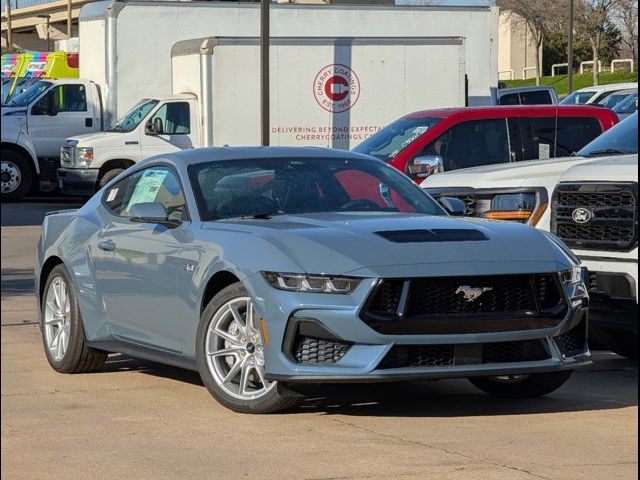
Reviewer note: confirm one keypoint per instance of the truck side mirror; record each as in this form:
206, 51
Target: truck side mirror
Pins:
453, 206
154, 127
426, 166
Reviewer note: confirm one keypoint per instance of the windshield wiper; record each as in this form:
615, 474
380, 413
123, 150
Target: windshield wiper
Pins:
608, 151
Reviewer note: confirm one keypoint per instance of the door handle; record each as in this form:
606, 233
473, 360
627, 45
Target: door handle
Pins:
107, 246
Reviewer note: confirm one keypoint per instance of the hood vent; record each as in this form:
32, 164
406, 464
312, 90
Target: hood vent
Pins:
434, 235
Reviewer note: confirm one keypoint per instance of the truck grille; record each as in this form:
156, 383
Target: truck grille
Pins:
438, 305
608, 219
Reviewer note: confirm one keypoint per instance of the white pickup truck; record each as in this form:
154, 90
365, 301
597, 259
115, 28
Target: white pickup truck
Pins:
34, 125
524, 192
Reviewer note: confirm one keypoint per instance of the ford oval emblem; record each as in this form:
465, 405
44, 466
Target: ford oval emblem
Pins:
582, 215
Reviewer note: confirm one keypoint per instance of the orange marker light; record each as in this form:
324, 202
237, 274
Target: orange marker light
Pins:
265, 335
509, 215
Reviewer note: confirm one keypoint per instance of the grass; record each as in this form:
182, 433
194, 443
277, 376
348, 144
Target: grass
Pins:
579, 81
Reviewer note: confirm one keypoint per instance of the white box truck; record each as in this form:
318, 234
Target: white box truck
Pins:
328, 92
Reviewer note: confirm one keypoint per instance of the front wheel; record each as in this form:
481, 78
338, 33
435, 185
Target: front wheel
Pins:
229, 353
522, 386
17, 175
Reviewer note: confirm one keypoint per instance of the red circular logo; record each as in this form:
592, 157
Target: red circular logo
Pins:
336, 88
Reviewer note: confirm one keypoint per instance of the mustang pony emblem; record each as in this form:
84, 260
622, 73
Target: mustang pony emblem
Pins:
471, 294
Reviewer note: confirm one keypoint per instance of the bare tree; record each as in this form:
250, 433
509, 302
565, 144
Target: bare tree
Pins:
537, 16
592, 18
627, 16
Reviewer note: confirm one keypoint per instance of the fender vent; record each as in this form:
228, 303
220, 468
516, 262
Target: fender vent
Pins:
434, 235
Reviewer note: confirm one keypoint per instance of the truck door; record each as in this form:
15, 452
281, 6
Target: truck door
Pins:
168, 129
61, 113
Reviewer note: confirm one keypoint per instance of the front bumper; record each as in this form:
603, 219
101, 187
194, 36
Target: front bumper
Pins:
78, 181
366, 357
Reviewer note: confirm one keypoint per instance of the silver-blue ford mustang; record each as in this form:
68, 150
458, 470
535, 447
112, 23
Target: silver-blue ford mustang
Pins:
262, 268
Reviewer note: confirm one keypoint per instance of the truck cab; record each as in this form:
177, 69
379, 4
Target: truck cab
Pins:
153, 126
34, 125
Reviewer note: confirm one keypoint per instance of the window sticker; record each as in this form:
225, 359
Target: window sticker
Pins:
544, 151
112, 194
148, 186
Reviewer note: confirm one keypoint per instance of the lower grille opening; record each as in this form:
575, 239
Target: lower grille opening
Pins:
574, 341
425, 356
318, 350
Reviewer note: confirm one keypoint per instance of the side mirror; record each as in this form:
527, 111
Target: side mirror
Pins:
426, 166
154, 127
151, 212
454, 206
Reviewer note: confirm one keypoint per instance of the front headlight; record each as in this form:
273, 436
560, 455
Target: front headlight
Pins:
83, 156
520, 207
573, 275
296, 282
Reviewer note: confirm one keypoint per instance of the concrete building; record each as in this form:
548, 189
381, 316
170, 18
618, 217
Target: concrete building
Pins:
516, 49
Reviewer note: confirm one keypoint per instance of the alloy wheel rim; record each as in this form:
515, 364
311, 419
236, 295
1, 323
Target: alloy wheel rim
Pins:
11, 176
234, 351
57, 318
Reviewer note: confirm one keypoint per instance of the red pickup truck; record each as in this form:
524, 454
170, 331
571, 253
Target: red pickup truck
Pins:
432, 141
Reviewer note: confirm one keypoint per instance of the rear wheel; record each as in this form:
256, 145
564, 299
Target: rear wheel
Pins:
62, 330
230, 356
17, 176
522, 386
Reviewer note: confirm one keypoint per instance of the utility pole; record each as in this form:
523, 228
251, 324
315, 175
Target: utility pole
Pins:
48, 18
570, 49
9, 30
68, 19
264, 73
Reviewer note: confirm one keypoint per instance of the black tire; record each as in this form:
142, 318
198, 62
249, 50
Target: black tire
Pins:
623, 343
534, 385
17, 175
277, 399
78, 358
108, 176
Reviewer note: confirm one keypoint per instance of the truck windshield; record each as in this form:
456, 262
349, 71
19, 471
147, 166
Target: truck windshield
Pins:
391, 140
133, 117
578, 98
6, 87
24, 98
621, 139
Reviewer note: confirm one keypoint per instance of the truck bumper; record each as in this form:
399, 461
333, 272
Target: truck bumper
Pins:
614, 295
78, 181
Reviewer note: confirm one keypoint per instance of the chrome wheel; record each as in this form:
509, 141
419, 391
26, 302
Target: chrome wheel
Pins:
234, 351
11, 177
57, 318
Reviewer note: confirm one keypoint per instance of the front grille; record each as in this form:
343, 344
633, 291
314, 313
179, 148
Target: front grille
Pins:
442, 305
574, 341
318, 350
431, 356
612, 216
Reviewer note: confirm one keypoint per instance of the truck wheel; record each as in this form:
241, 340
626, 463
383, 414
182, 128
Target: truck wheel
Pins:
17, 175
108, 176
522, 386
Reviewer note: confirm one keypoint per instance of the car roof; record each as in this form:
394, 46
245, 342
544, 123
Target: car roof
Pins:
215, 154
499, 110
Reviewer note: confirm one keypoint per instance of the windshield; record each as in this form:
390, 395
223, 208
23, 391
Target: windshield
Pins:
628, 105
577, 98
391, 140
613, 99
30, 93
6, 87
273, 186
134, 116
623, 138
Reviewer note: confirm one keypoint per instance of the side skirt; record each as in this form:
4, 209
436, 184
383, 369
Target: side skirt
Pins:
146, 353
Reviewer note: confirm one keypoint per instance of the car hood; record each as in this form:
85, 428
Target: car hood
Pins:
104, 139
503, 175
348, 243
622, 168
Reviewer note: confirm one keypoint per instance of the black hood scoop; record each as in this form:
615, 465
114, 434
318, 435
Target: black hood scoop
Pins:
434, 235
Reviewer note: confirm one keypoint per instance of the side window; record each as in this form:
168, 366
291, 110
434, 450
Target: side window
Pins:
471, 144
45, 105
153, 184
574, 133
509, 99
540, 97
537, 136
60, 99
174, 118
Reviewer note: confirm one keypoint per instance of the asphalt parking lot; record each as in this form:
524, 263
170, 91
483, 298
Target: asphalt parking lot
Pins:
139, 420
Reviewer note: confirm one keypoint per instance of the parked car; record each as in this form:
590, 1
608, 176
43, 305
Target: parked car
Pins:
627, 107
524, 96
615, 98
432, 141
261, 268
595, 94
523, 193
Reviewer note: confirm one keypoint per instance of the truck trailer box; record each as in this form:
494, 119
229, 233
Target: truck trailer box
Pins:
126, 46
327, 92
